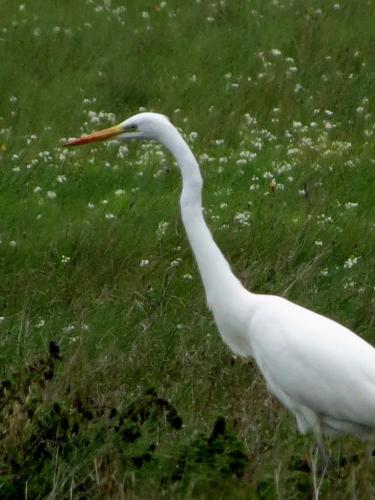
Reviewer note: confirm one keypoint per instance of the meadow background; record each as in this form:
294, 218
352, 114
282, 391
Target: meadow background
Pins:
114, 382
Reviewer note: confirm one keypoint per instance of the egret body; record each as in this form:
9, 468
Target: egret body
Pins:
319, 370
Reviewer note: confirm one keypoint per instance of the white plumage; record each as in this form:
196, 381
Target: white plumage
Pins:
321, 371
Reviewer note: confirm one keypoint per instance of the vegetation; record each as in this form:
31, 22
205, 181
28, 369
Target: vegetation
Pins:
114, 382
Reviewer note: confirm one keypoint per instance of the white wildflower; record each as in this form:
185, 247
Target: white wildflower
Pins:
68, 329
349, 205
324, 219
162, 229
176, 262
241, 162
350, 262
267, 175
51, 195
273, 184
276, 52
242, 218
122, 151
328, 125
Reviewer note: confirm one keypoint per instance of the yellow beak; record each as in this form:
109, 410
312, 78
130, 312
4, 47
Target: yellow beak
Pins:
102, 135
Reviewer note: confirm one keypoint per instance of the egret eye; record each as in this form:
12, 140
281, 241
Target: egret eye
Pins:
131, 128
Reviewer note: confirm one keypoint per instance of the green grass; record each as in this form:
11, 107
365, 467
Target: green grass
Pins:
285, 143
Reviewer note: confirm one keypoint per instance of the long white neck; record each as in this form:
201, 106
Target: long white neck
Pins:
218, 279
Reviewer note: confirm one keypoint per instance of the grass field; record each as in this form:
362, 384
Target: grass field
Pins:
114, 382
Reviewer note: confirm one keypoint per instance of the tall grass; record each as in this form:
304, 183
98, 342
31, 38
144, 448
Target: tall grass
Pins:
276, 100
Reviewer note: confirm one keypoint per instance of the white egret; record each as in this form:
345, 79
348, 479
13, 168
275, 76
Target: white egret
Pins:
321, 371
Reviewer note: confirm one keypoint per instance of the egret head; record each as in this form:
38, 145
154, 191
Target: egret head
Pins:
141, 126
